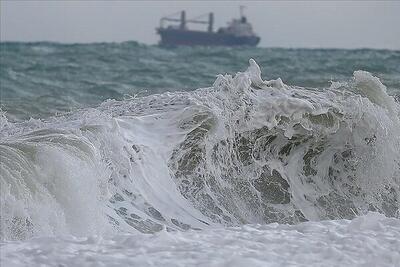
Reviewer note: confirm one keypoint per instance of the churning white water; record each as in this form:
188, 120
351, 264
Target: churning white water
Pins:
246, 172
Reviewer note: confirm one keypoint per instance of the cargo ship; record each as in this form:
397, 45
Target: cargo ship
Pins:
239, 32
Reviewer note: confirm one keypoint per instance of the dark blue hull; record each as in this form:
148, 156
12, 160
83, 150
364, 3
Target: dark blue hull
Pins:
175, 37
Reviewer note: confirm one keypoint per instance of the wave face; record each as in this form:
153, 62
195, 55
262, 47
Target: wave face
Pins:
242, 151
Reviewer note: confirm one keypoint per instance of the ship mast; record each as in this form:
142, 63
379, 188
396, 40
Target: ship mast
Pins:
241, 8
183, 21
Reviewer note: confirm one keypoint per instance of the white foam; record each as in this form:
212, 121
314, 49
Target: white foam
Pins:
371, 240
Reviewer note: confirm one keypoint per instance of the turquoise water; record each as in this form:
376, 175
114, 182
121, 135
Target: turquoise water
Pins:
42, 79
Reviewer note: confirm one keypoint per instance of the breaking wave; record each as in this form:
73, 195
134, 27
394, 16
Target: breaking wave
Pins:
242, 151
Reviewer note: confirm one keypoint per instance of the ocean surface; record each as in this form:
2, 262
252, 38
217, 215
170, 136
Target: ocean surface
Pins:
121, 154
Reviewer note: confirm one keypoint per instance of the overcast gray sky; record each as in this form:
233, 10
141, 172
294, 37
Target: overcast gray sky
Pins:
340, 24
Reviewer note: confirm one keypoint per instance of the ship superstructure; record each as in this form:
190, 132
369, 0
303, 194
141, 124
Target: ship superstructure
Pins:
238, 32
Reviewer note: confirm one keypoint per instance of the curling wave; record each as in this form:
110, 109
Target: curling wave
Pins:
242, 151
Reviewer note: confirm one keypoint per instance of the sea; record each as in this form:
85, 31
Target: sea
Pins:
126, 154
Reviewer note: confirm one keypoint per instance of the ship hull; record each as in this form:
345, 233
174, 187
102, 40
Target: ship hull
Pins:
175, 37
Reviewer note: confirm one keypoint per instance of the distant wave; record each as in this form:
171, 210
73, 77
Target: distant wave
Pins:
42, 79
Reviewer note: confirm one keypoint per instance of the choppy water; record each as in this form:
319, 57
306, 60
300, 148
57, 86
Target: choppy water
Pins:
39, 79
319, 143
